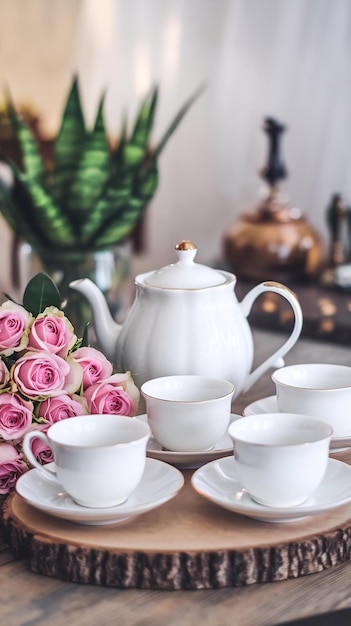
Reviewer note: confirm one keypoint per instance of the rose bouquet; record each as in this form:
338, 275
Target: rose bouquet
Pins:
48, 374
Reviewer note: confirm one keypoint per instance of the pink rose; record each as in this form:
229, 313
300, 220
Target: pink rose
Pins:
118, 394
40, 449
42, 374
95, 365
11, 467
15, 416
61, 407
14, 327
52, 331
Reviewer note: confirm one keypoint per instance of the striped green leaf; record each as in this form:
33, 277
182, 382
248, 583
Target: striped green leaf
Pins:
145, 118
69, 145
116, 157
134, 151
31, 157
17, 209
120, 200
147, 181
133, 155
47, 216
117, 228
12, 215
98, 197
92, 171
117, 195
119, 223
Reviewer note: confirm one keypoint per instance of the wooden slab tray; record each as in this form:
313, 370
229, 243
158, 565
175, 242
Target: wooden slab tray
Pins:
188, 543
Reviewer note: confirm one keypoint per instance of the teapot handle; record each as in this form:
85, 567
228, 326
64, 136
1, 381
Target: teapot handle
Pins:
275, 360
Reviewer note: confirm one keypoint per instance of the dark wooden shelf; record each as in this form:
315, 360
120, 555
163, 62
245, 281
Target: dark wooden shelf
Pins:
326, 310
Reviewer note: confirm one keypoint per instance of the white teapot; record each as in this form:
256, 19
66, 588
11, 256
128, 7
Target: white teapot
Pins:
186, 319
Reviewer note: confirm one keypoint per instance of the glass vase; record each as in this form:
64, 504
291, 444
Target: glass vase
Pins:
109, 269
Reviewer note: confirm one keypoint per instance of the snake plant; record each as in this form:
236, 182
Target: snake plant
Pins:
91, 197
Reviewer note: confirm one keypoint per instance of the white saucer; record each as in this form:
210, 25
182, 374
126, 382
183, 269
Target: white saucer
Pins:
270, 405
190, 460
217, 481
160, 483
264, 405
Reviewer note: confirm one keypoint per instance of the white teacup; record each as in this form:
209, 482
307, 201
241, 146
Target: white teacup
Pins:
99, 459
317, 389
188, 413
280, 458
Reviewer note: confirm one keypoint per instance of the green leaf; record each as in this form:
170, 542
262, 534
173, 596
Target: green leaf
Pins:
92, 171
145, 119
131, 179
178, 118
134, 151
8, 208
118, 154
17, 209
50, 221
41, 292
98, 198
9, 362
85, 338
133, 155
114, 198
14, 220
109, 207
31, 157
118, 228
120, 223
68, 145
147, 181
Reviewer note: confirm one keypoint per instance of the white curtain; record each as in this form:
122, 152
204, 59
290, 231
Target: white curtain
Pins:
288, 59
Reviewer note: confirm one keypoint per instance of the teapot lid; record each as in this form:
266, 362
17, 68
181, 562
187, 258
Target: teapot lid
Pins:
185, 274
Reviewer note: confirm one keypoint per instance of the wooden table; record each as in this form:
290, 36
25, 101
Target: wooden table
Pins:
27, 599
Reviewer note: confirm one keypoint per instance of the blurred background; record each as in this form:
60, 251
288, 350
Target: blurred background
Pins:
289, 59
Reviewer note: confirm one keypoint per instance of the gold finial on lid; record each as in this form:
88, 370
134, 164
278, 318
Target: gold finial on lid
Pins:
185, 244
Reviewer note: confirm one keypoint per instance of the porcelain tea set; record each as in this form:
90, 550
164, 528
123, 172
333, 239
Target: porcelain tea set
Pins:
189, 347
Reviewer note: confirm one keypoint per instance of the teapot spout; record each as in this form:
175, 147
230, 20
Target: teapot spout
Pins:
107, 330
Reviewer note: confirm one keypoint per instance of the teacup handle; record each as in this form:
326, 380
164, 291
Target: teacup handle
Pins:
276, 359
37, 434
